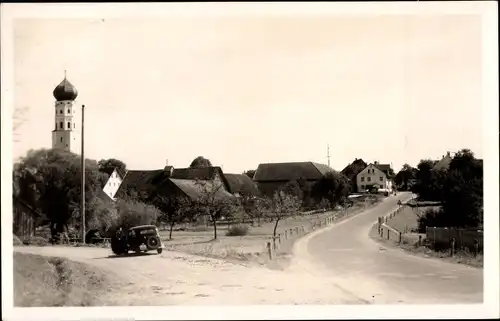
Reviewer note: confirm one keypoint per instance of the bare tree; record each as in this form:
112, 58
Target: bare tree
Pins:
175, 210
280, 206
214, 202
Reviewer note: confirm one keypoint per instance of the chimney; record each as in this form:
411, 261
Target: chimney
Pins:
166, 162
376, 162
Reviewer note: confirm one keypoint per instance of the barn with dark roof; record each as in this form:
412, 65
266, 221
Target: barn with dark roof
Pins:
269, 177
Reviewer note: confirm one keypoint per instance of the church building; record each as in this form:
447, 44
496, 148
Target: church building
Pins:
66, 133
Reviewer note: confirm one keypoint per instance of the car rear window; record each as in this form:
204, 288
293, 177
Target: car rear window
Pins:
148, 231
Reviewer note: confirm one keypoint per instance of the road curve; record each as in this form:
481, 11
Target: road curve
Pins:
345, 254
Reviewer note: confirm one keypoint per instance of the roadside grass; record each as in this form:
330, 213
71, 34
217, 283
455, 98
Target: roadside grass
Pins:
407, 220
41, 281
251, 249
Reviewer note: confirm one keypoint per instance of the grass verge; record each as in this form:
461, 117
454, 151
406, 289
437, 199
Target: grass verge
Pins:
41, 281
409, 244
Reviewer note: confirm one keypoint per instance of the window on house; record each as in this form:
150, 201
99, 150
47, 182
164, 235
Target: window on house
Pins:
66, 145
61, 139
381, 178
362, 178
74, 126
69, 111
362, 186
369, 179
60, 111
69, 125
61, 125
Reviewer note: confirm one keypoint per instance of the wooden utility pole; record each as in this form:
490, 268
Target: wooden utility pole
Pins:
82, 202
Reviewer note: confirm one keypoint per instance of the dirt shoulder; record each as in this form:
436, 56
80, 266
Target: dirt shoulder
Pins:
174, 278
42, 281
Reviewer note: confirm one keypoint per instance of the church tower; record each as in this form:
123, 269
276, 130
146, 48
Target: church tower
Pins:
65, 133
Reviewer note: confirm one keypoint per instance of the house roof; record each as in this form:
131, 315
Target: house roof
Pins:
241, 183
139, 180
194, 190
202, 173
444, 163
290, 171
383, 167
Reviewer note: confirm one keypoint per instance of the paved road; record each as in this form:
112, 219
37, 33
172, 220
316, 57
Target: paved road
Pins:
380, 275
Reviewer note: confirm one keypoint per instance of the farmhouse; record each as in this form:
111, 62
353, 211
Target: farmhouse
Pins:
272, 176
444, 163
170, 182
375, 176
113, 183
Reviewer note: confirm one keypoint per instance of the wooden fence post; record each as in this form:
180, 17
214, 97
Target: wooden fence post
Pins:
303, 229
269, 250
452, 246
420, 240
286, 234
400, 237
388, 234
297, 230
279, 238
476, 247
291, 232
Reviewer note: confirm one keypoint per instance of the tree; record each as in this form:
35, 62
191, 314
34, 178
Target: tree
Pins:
200, 161
108, 165
251, 207
459, 189
250, 173
52, 178
293, 188
404, 176
174, 210
132, 213
280, 206
333, 186
214, 202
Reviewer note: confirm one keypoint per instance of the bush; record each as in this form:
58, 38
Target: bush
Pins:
16, 241
237, 230
36, 240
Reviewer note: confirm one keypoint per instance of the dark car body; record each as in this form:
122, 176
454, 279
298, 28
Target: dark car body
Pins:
141, 238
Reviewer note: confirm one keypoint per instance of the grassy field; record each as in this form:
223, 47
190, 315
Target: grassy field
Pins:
407, 221
54, 282
252, 248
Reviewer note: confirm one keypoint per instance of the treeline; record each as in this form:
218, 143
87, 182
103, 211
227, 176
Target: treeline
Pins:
458, 187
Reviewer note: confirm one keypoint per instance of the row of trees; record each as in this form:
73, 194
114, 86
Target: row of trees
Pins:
459, 189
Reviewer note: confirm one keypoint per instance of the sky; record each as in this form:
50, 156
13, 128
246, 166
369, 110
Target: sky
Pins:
255, 89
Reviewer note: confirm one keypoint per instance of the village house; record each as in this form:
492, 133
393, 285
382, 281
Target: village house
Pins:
375, 175
272, 176
444, 163
113, 183
170, 182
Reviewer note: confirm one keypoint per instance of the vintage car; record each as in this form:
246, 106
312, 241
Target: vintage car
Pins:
141, 238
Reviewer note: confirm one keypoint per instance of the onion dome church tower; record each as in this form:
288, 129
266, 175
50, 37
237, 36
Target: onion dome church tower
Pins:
66, 132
